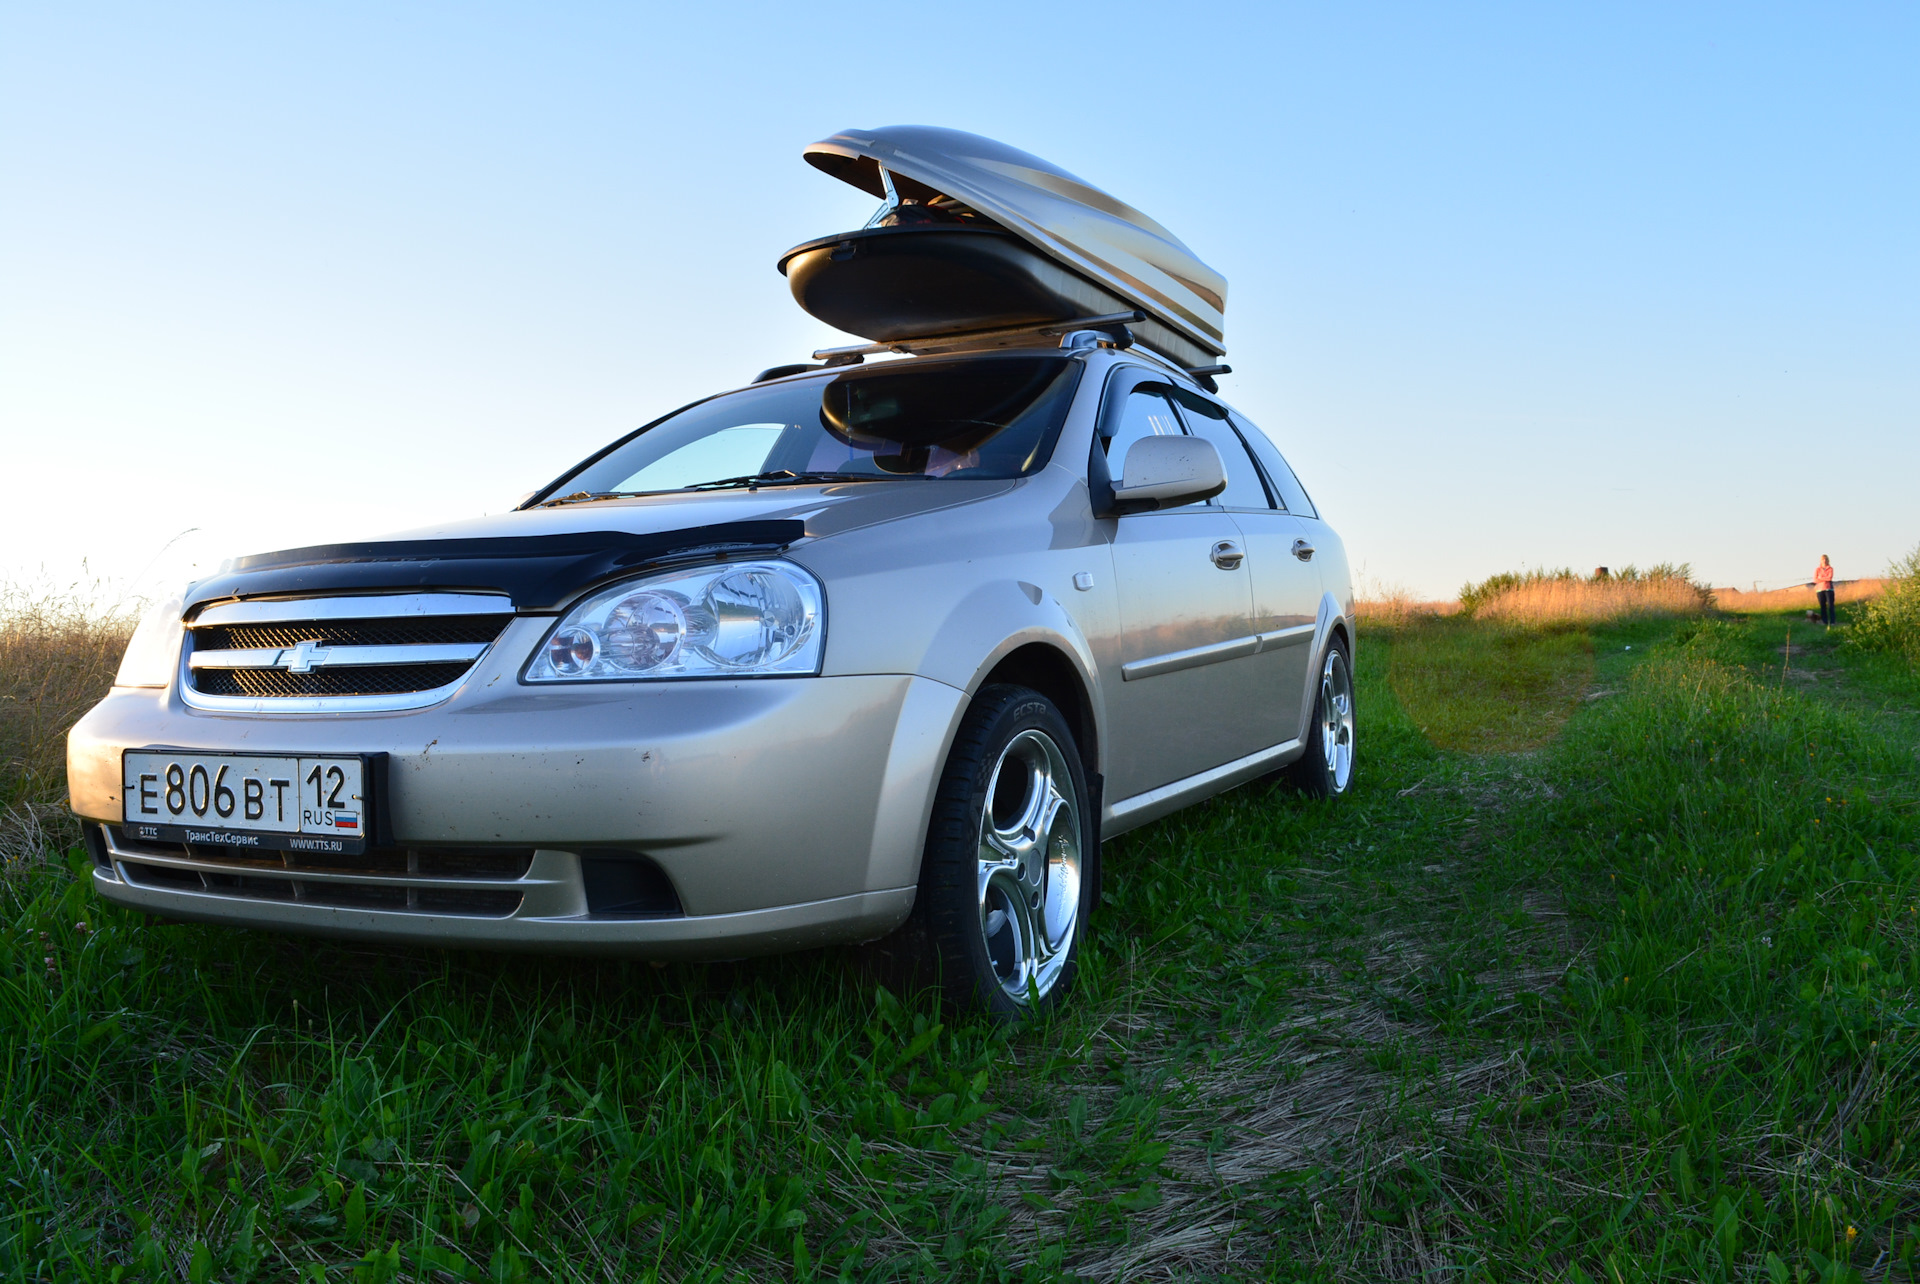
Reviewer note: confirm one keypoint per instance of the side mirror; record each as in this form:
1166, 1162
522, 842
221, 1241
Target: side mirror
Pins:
1166, 472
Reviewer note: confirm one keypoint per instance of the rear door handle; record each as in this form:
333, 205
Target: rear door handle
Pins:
1303, 550
1227, 555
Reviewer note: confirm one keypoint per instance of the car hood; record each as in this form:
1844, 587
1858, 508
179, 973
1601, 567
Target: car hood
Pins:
542, 557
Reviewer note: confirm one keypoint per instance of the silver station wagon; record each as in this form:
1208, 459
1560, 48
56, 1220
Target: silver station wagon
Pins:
880, 646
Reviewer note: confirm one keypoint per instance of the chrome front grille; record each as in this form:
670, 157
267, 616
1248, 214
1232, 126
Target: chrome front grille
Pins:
369, 680
338, 654
425, 631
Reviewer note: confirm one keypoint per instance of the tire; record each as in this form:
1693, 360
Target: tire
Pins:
1009, 874
1325, 770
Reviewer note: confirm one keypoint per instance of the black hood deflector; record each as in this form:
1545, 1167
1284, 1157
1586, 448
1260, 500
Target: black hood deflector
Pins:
539, 572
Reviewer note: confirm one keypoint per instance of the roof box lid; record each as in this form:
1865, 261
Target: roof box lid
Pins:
1064, 217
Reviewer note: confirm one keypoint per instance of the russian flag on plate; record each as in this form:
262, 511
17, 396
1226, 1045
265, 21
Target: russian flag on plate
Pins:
346, 820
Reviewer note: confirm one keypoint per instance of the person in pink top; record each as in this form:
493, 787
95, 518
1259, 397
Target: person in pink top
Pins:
1823, 588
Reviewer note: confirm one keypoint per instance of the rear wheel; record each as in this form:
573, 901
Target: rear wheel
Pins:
1325, 770
1007, 880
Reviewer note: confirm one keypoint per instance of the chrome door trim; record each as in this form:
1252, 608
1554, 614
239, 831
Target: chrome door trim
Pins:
1172, 797
371, 606
323, 657
1191, 658
1293, 635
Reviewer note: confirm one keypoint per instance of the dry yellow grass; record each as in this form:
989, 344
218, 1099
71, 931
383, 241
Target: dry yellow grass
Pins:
1551, 601
1398, 608
1795, 598
57, 657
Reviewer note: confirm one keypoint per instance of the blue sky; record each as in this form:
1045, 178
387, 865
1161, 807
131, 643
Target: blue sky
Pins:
1510, 284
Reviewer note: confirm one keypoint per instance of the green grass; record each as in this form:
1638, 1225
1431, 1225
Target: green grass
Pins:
1489, 688
1635, 1002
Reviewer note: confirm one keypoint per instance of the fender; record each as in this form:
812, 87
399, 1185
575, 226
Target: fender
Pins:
982, 629
999, 618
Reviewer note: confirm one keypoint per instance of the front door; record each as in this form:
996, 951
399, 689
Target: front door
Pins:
1181, 705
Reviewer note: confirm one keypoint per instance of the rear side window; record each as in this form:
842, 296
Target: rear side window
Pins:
1292, 495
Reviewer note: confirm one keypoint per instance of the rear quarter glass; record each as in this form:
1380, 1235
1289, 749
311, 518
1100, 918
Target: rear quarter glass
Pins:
1291, 493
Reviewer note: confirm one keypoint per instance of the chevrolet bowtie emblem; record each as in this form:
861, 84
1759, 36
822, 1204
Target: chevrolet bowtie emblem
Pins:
302, 656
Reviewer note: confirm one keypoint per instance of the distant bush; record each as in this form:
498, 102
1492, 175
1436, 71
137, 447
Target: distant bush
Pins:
1891, 622
1549, 597
1474, 596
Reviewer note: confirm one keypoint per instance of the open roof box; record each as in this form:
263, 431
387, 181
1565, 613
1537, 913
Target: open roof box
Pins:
977, 236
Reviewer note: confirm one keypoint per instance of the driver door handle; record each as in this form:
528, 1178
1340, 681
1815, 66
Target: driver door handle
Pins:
1303, 550
1227, 555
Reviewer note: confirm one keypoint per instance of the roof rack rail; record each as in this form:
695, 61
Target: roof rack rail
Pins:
1115, 323
1203, 375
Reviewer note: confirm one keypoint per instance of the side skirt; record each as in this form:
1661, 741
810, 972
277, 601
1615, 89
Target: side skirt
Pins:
1130, 813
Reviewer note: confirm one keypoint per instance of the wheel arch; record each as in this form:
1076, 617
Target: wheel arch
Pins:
1051, 671
1331, 626
1340, 632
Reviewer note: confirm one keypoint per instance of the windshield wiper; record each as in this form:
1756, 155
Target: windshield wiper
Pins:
586, 497
752, 481
787, 477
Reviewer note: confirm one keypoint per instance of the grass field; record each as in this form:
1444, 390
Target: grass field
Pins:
1800, 597
1605, 971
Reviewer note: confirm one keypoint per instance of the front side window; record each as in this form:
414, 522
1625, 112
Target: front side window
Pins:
983, 418
1145, 413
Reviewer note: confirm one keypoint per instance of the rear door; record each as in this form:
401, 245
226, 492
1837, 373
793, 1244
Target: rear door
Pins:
1284, 580
1179, 706
1287, 578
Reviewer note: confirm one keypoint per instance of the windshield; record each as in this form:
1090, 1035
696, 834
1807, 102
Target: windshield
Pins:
983, 418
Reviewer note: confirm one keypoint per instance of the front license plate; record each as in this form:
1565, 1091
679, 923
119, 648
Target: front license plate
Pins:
239, 800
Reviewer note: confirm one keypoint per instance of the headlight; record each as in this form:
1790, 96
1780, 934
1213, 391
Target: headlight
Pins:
737, 620
154, 650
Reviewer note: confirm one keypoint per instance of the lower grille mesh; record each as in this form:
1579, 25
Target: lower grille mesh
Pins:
477, 902
246, 875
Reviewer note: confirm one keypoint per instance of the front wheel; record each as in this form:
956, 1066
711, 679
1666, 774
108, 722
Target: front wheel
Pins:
1325, 770
1007, 880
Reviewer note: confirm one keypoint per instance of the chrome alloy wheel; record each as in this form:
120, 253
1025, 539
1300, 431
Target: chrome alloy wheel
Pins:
1029, 866
1336, 719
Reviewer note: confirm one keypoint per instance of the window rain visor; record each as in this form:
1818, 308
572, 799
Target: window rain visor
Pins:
739, 619
978, 418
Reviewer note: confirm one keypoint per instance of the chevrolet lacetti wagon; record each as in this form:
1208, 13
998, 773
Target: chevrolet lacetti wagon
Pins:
868, 648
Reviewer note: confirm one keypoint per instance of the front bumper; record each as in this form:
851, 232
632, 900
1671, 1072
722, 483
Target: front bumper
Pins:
784, 813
